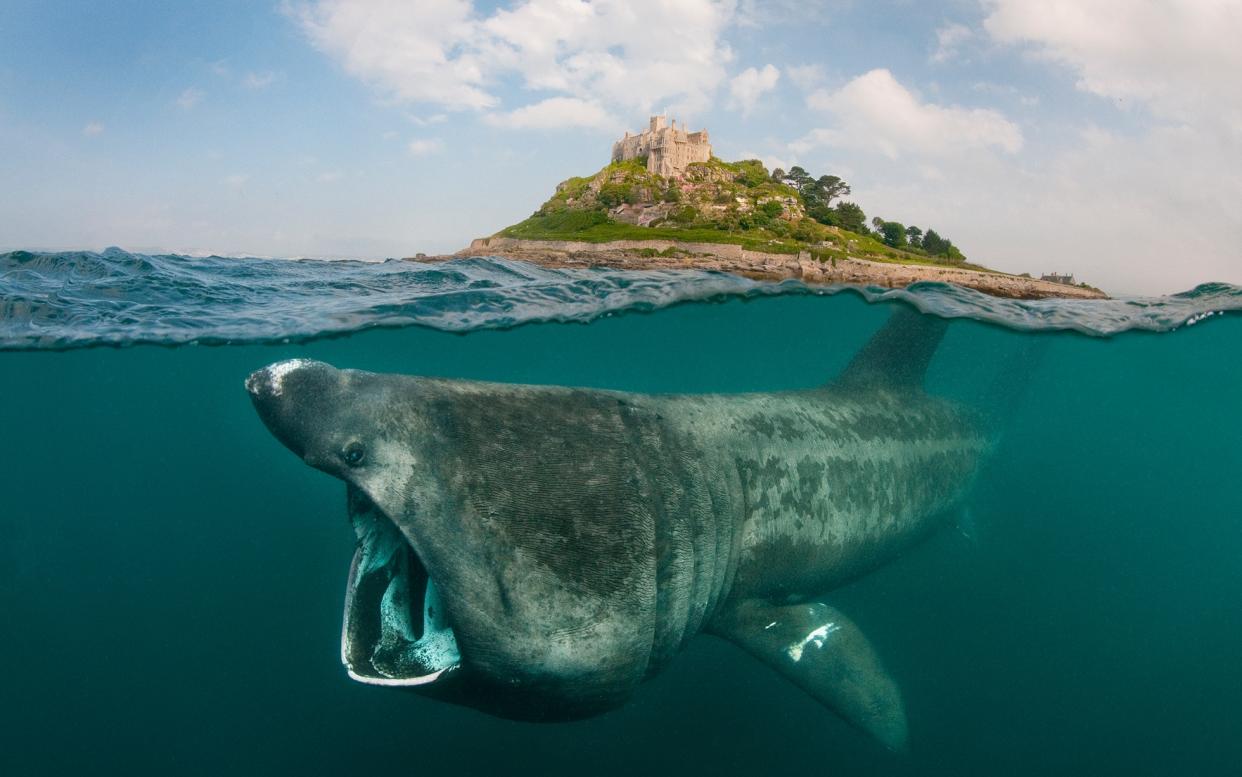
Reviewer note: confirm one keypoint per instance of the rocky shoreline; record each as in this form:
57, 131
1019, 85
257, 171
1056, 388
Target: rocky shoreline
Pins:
674, 255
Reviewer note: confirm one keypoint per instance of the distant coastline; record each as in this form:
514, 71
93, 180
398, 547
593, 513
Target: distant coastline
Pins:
732, 258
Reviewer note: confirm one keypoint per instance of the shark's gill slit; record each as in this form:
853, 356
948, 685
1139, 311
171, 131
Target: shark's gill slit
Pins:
395, 631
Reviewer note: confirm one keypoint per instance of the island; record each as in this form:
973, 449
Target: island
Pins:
665, 201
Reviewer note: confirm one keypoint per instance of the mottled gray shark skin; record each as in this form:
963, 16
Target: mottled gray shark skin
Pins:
538, 551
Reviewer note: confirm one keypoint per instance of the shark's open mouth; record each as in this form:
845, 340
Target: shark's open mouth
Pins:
395, 631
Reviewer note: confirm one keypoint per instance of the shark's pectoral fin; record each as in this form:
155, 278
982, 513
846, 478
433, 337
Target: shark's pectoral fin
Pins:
824, 654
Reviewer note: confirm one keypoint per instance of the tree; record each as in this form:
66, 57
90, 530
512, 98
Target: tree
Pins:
817, 192
778, 175
829, 188
849, 216
799, 179
915, 236
878, 223
934, 244
894, 234
819, 212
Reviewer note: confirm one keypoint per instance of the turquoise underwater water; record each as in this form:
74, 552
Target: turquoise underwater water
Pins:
171, 578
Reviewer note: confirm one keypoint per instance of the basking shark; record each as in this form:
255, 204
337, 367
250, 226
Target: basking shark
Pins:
538, 551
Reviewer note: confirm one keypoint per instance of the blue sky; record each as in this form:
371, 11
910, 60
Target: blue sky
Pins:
1102, 137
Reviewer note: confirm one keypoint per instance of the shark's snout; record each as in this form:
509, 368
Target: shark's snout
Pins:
270, 381
293, 397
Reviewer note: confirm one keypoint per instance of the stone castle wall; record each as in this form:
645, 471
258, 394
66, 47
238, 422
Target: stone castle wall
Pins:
669, 149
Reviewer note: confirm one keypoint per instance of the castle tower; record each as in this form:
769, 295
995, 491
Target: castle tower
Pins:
669, 150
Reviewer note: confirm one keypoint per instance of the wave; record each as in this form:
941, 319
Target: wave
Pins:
79, 299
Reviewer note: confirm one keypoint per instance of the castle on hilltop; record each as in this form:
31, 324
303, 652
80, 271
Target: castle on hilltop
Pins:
669, 150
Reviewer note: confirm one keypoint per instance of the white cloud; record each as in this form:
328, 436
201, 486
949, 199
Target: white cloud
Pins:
1145, 215
1149, 211
189, 98
1143, 212
236, 180
426, 121
806, 77
767, 13
259, 80
556, 113
949, 40
93, 128
632, 56
874, 113
1178, 57
417, 52
635, 56
1006, 91
748, 86
424, 146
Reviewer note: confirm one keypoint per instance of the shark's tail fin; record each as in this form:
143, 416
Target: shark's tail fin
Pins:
896, 357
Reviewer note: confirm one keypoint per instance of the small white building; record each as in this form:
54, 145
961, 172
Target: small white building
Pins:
1068, 280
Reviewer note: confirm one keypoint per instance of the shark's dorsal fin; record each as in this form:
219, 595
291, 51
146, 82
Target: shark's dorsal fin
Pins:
896, 357
822, 652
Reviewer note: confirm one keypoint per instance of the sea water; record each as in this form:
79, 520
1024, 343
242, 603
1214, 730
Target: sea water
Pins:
171, 578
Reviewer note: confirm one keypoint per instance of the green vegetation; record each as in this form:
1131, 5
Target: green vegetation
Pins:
550, 228
912, 238
738, 203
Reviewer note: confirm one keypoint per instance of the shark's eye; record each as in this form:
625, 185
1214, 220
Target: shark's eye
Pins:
354, 453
